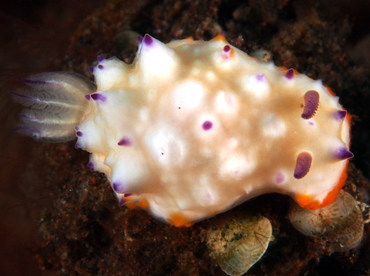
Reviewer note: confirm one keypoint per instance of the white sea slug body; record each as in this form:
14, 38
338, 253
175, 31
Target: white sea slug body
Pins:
193, 128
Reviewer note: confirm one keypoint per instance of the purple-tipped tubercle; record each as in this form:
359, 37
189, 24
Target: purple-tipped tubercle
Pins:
139, 40
100, 58
91, 166
101, 67
91, 69
207, 125
311, 104
79, 133
87, 97
125, 141
148, 40
118, 187
98, 97
227, 48
343, 153
340, 115
289, 74
302, 165
123, 199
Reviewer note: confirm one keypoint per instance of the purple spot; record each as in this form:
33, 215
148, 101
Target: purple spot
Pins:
79, 133
260, 77
209, 196
302, 165
118, 187
100, 66
148, 40
125, 141
91, 69
207, 125
311, 104
279, 178
343, 153
227, 48
87, 97
100, 58
311, 123
77, 127
340, 115
140, 39
98, 97
91, 166
289, 74
78, 145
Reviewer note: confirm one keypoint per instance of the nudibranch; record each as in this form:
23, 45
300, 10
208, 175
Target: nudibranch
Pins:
193, 128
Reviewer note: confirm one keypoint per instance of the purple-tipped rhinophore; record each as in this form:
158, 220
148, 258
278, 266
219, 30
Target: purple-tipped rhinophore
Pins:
340, 115
311, 104
343, 153
91, 166
148, 40
207, 125
125, 141
98, 97
100, 58
302, 165
289, 74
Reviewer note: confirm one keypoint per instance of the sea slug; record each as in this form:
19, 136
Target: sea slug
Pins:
193, 128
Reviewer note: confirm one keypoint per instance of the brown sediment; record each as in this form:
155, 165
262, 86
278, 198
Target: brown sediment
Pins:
85, 232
